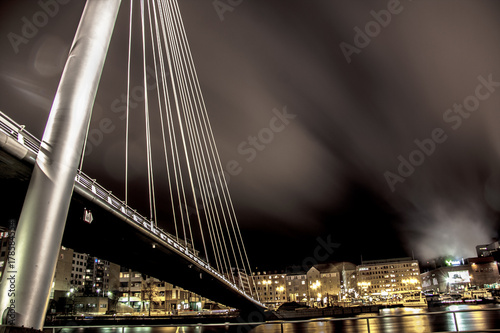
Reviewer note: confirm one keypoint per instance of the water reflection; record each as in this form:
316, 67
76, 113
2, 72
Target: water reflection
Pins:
420, 321
417, 324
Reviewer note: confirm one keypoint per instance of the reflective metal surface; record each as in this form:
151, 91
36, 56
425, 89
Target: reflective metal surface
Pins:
26, 284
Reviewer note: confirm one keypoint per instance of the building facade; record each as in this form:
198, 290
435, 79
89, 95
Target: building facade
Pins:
271, 287
297, 287
78, 270
61, 284
381, 278
348, 282
139, 292
484, 271
478, 272
101, 277
324, 284
446, 279
78, 274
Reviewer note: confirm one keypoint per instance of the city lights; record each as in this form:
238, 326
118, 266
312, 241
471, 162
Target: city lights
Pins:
410, 281
316, 285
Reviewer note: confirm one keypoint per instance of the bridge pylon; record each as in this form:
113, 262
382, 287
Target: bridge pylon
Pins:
35, 245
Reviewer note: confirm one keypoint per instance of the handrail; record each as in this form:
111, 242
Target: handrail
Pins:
281, 322
18, 132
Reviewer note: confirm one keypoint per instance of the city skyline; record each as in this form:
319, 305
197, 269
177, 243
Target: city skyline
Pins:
336, 282
366, 139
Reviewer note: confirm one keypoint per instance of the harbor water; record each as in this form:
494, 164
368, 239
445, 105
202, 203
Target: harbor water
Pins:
439, 319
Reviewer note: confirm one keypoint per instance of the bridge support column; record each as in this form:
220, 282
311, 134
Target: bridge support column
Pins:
27, 279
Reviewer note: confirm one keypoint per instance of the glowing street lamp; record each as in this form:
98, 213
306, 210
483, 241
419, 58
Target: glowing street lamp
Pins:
363, 287
412, 282
315, 286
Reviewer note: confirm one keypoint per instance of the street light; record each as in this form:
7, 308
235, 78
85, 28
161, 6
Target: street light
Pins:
314, 286
363, 287
265, 283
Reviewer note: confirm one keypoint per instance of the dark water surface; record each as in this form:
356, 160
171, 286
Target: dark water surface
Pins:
382, 322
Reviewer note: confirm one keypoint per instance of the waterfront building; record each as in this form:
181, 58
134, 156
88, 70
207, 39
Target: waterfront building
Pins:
455, 278
297, 287
139, 292
324, 284
271, 287
381, 278
101, 277
79, 274
78, 270
348, 281
484, 271
446, 279
91, 305
61, 284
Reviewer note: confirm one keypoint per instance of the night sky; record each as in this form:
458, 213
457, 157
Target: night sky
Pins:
392, 141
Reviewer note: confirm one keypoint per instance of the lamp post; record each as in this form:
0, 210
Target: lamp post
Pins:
280, 289
71, 296
363, 287
266, 283
314, 286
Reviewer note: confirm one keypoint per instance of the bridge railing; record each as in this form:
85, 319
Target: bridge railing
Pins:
18, 132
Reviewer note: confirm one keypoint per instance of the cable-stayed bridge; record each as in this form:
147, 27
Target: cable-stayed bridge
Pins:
204, 250
125, 236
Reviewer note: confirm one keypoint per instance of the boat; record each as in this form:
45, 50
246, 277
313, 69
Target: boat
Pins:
415, 302
478, 296
291, 311
411, 298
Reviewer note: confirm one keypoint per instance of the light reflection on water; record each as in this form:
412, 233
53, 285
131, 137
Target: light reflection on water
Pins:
471, 321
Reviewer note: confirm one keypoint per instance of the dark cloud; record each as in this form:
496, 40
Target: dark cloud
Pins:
324, 172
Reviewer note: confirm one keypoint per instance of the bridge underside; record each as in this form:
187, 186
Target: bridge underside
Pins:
110, 238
